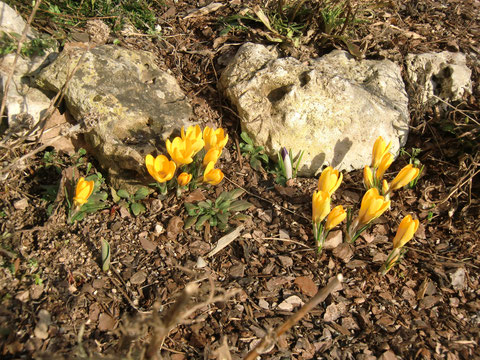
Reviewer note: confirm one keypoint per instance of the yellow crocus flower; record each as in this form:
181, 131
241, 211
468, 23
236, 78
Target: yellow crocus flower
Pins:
373, 205
368, 177
212, 176
336, 216
384, 187
184, 178
83, 191
407, 174
160, 168
194, 136
405, 232
212, 155
320, 206
180, 150
330, 180
214, 138
380, 148
385, 163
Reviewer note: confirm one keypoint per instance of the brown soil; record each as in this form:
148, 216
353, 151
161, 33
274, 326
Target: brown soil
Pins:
57, 303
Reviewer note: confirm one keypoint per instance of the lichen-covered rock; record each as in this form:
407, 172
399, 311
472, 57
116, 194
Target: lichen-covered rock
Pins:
137, 105
333, 107
444, 75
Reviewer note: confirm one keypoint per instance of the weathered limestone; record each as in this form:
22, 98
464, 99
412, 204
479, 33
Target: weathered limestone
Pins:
444, 75
25, 105
136, 104
334, 107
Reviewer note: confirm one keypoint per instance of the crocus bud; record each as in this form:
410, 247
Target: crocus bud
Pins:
287, 162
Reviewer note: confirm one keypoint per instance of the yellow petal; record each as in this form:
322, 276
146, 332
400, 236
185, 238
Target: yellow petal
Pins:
368, 178
320, 206
184, 178
380, 148
407, 174
405, 232
385, 163
212, 155
329, 180
336, 216
83, 191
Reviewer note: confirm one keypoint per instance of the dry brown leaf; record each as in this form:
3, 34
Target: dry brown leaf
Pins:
306, 285
175, 227
105, 322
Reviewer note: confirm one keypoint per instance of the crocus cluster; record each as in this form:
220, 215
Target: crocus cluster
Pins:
381, 161
323, 218
407, 228
185, 151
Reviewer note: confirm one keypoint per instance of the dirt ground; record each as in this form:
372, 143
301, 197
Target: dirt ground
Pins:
56, 302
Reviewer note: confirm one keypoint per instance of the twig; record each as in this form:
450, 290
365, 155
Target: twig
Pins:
270, 339
456, 109
169, 321
462, 261
17, 54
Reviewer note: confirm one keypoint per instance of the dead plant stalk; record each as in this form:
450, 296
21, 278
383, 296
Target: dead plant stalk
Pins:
270, 339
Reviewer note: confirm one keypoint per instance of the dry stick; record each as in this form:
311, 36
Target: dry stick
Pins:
457, 109
270, 339
462, 261
17, 54
169, 321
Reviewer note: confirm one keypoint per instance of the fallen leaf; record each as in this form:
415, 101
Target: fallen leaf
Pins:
225, 240
105, 322
194, 196
334, 239
306, 285
344, 252
175, 227
148, 245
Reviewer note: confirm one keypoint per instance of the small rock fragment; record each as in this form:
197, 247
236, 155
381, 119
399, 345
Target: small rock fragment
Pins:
21, 204
290, 303
458, 279
138, 278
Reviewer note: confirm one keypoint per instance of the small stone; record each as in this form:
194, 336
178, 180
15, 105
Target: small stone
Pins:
286, 261
201, 263
159, 229
21, 204
263, 304
290, 303
138, 278
458, 279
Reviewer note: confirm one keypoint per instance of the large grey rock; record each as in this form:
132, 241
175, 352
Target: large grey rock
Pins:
25, 105
11, 21
334, 107
443, 74
136, 104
